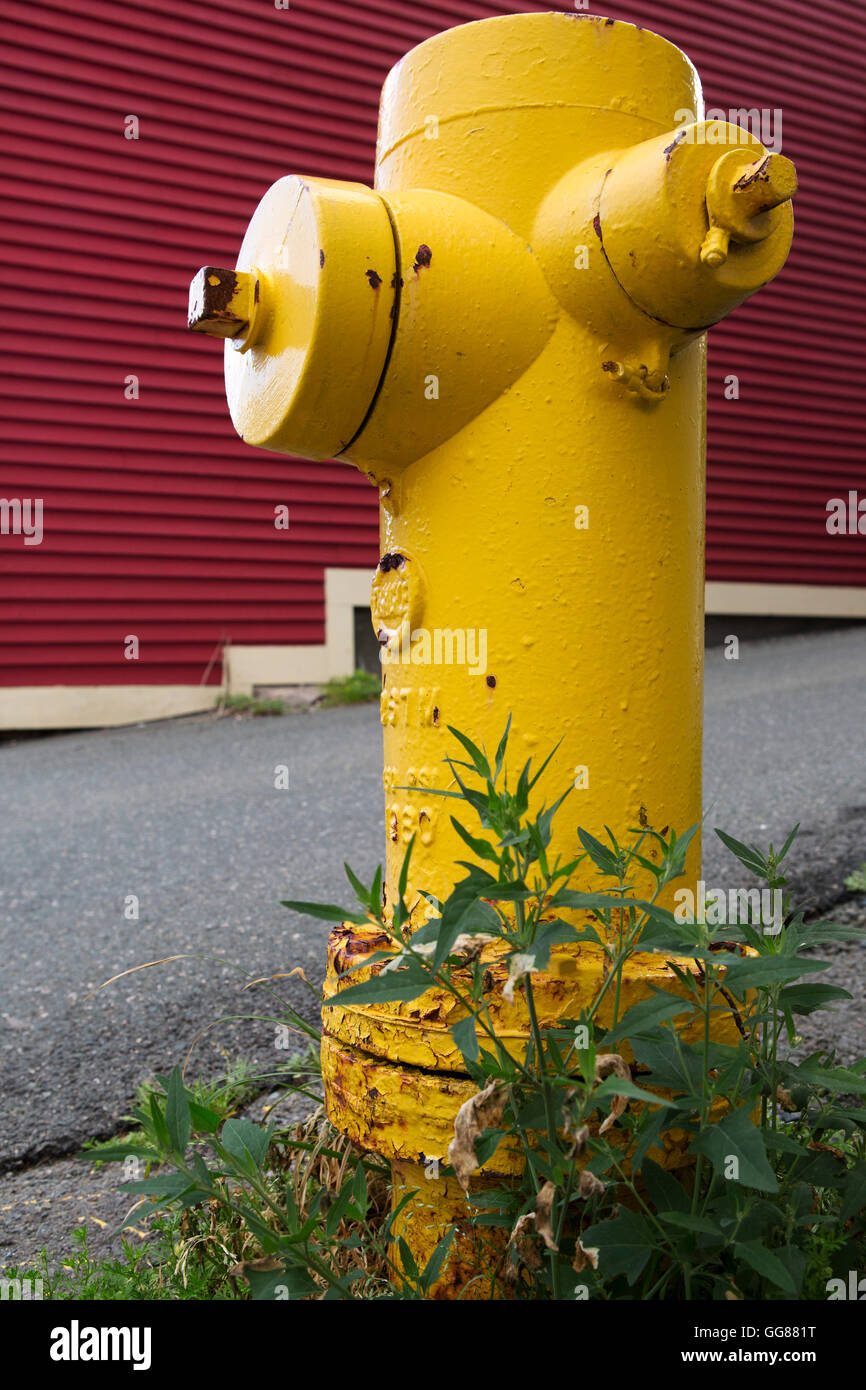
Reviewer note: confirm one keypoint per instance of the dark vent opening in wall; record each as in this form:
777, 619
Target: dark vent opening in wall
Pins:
366, 646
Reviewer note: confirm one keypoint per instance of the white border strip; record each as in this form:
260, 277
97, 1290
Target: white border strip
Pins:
786, 600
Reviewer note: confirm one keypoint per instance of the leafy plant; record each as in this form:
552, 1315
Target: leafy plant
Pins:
768, 1199
255, 1210
249, 704
856, 881
359, 688
149, 1272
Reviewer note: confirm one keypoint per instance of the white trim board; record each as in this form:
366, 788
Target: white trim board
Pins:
786, 600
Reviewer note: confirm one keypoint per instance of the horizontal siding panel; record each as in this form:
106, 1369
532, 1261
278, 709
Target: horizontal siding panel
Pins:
158, 520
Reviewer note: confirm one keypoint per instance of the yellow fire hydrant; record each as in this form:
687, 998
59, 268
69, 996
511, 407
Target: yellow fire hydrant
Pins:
507, 336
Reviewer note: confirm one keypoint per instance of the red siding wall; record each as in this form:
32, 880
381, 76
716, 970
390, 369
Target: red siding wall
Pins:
158, 520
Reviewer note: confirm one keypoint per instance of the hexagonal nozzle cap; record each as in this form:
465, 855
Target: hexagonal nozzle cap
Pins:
222, 302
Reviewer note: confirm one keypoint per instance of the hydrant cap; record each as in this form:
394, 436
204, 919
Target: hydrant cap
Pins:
324, 257
538, 61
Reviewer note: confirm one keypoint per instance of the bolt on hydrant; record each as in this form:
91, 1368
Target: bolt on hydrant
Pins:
507, 336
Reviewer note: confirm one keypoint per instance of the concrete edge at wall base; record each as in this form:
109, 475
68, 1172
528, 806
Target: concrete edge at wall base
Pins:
786, 600
42, 707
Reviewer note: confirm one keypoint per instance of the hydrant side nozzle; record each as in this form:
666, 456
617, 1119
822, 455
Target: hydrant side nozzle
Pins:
765, 184
223, 303
741, 196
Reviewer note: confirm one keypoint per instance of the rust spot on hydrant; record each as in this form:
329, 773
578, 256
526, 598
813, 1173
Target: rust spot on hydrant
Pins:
374, 277
391, 560
423, 257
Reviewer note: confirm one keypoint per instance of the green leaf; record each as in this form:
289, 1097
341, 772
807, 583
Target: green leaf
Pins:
401, 985
625, 1243
794, 1261
433, 1267
854, 1202
337, 1210
651, 1124
466, 1038
292, 1284
165, 1185
376, 890
603, 859
672, 1062
554, 933
202, 1171
513, 892
701, 1225
647, 1013
402, 914
482, 767
783, 852
500, 752
618, 1086
666, 1194
765, 1263
407, 1259
836, 1080
247, 1142
757, 971
782, 1143
677, 854
177, 1112
487, 1143
116, 1153
750, 857
482, 848
735, 1136
159, 1125
816, 933
202, 1119
463, 912
326, 912
361, 893
805, 999
540, 771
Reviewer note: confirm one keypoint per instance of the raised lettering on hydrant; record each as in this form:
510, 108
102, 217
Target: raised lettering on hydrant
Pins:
507, 336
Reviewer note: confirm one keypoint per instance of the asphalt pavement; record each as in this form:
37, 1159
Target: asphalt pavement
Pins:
185, 817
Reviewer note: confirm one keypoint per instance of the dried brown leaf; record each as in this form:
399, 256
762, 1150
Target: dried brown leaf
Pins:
543, 1208
264, 1265
584, 1255
524, 1245
579, 1144
589, 1185
480, 1112
611, 1064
